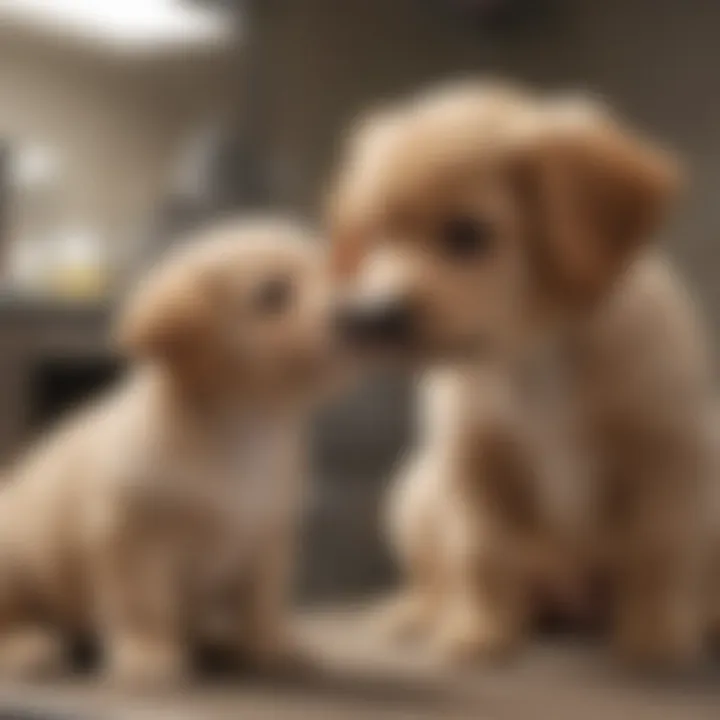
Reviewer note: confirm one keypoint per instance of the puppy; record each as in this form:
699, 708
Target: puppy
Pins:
164, 514
499, 241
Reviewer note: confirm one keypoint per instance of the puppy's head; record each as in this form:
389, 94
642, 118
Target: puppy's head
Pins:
462, 217
244, 308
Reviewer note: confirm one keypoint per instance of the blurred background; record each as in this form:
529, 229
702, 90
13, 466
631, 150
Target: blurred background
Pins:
124, 123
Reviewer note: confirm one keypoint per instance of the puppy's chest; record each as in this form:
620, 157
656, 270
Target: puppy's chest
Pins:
555, 421
233, 494
251, 473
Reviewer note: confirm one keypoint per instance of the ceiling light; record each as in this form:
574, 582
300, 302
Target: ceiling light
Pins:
123, 24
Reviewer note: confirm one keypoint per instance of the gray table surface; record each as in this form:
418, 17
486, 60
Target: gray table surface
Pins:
361, 676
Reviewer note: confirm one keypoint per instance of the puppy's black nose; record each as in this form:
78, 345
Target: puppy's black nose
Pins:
379, 323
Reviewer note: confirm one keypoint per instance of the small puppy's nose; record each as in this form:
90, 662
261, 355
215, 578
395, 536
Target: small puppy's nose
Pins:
387, 322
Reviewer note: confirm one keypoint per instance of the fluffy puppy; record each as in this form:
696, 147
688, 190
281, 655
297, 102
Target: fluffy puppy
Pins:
497, 241
163, 514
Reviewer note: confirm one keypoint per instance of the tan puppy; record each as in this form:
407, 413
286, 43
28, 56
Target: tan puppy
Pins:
481, 229
164, 513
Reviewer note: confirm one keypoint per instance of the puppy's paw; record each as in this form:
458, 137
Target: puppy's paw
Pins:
30, 653
404, 616
140, 663
466, 638
663, 648
281, 655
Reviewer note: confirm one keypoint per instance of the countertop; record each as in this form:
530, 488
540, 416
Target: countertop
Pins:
360, 677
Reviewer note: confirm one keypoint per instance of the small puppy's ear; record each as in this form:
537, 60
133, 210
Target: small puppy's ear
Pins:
595, 193
166, 317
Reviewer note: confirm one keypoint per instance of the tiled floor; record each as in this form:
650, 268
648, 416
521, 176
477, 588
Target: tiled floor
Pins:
362, 678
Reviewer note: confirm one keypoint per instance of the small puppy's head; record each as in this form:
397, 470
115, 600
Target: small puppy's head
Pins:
243, 308
463, 217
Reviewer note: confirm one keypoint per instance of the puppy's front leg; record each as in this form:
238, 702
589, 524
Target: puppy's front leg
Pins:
659, 613
485, 606
264, 636
493, 511
659, 618
414, 540
140, 612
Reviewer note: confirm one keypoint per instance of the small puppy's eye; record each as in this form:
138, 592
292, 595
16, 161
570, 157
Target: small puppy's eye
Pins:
465, 237
274, 296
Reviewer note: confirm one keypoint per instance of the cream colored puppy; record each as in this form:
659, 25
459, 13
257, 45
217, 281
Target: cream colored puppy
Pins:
164, 514
487, 236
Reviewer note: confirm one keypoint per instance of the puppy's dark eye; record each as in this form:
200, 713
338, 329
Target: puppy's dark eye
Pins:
465, 237
274, 296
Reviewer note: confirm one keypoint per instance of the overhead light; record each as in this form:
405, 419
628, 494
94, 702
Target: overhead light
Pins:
123, 24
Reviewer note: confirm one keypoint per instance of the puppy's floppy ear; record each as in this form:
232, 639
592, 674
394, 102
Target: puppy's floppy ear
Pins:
344, 224
352, 199
594, 191
167, 317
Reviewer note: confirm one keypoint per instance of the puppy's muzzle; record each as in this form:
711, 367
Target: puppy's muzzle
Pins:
378, 323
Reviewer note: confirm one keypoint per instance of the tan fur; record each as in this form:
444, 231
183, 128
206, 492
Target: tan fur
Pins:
164, 513
511, 487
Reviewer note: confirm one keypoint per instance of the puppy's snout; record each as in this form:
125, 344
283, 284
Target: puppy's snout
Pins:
385, 322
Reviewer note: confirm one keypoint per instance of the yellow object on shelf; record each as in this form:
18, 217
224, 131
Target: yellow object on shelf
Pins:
79, 270
79, 283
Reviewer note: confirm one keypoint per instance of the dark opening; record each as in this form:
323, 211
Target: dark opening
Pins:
57, 385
